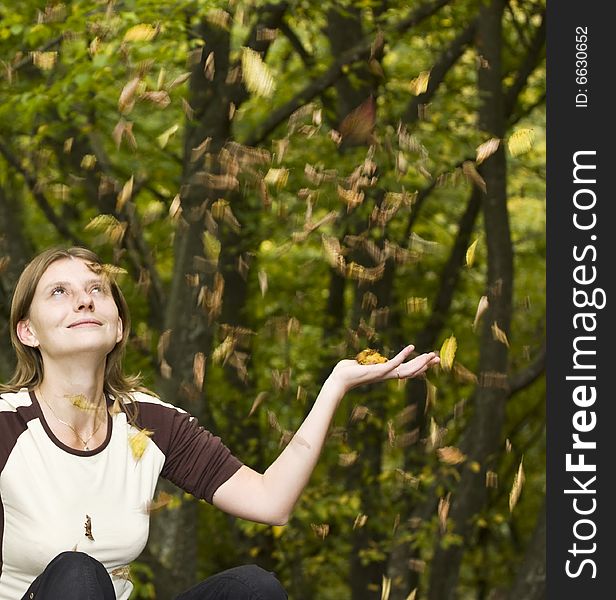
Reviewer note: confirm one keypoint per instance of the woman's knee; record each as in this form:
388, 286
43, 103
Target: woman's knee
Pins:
264, 583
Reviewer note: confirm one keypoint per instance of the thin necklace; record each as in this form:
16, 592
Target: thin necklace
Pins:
53, 412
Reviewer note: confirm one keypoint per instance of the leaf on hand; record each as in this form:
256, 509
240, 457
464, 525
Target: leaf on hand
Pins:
256, 74
140, 33
520, 141
482, 306
370, 357
499, 335
486, 149
139, 441
451, 455
448, 352
470, 253
516, 488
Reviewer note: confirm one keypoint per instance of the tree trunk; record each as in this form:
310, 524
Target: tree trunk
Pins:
484, 433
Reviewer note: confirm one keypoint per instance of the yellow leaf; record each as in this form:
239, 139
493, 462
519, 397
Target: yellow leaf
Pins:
499, 335
451, 455
419, 85
163, 138
370, 357
481, 308
470, 253
88, 161
257, 77
125, 194
140, 33
448, 352
277, 177
520, 141
385, 588
138, 442
516, 488
487, 149
44, 60
278, 530
360, 520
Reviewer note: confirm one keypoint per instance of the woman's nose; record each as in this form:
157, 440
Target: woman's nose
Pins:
85, 302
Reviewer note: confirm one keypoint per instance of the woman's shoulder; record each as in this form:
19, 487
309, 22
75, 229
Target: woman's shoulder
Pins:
11, 401
150, 400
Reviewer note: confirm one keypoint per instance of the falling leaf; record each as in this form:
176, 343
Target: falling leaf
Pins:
412, 595
462, 374
82, 402
199, 369
470, 253
491, 479
88, 528
256, 74
138, 442
351, 198
419, 85
520, 141
346, 459
44, 60
277, 177
321, 530
357, 127
109, 226
219, 17
127, 96
124, 195
448, 352
360, 520
261, 396
443, 512
199, 151
211, 246
430, 394
121, 572
140, 33
88, 161
499, 335
451, 455
415, 305
164, 137
179, 80
160, 98
370, 357
486, 149
508, 446
359, 412
468, 168
482, 306
385, 588
516, 488
124, 129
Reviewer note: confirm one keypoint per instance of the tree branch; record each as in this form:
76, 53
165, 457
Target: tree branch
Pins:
317, 86
39, 197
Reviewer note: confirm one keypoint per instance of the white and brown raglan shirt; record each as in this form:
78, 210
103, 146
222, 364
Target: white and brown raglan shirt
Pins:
54, 498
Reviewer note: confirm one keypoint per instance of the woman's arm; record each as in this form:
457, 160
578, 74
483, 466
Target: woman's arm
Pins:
271, 496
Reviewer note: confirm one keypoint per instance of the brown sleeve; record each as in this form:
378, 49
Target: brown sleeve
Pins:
195, 459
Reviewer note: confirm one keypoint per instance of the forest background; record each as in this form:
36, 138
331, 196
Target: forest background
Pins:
282, 185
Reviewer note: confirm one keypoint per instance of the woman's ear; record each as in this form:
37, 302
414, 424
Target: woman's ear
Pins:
26, 335
120, 330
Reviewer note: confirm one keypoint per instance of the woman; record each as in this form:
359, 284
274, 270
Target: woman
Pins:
82, 445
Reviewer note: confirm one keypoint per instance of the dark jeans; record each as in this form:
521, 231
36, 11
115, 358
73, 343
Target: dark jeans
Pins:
77, 576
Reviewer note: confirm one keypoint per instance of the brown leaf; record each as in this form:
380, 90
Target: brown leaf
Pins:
125, 195
199, 369
499, 335
468, 168
127, 96
451, 455
482, 306
159, 98
321, 530
357, 127
443, 511
88, 528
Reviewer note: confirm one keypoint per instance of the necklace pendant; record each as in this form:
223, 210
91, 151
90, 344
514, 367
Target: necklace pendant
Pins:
86, 447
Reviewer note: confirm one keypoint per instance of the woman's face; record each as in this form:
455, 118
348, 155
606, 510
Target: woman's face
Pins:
72, 312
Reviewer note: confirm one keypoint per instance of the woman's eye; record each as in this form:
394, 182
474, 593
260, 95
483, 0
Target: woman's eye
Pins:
58, 291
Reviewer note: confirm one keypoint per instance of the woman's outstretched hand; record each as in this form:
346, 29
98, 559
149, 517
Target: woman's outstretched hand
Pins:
350, 374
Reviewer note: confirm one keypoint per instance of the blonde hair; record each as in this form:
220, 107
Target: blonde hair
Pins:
29, 369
